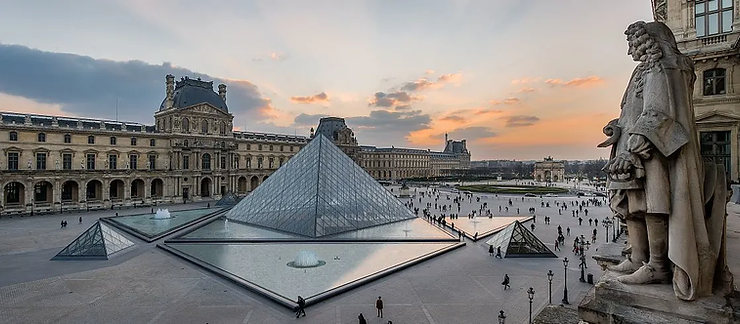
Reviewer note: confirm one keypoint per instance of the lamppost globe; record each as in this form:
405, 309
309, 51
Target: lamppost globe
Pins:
549, 279
565, 277
501, 317
530, 293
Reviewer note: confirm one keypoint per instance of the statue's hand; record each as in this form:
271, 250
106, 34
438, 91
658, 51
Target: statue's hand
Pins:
640, 145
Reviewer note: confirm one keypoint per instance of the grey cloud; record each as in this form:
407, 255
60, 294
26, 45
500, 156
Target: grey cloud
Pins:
472, 133
304, 119
89, 87
520, 120
391, 99
389, 121
417, 85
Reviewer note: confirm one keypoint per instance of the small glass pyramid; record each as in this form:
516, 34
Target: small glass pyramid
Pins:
320, 191
516, 241
98, 242
229, 199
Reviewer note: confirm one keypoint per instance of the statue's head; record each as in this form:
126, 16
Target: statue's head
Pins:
650, 41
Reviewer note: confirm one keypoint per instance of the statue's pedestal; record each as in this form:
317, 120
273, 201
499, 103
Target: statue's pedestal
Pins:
610, 301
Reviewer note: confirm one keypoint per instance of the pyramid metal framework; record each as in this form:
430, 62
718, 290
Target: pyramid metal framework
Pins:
516, 241
98, 242
320, 191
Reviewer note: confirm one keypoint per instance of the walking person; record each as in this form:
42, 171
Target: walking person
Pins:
490, 250
362, 319
301, 307
379, 307
80, 219
505, 283
498, 252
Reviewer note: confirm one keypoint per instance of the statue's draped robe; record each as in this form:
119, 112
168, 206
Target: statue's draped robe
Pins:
675, 175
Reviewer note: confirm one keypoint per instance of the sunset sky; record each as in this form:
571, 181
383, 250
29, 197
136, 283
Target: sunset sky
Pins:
517, 79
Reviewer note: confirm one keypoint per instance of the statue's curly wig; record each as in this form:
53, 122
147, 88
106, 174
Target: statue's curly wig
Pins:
646, 48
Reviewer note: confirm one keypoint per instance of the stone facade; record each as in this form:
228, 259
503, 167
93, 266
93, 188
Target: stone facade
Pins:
549, 170
51, 163
392, 163
714, 45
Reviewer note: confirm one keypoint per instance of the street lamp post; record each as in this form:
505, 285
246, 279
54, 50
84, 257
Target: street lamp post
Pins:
607, 224
583, 268
549, 278
565, 287
501, 317
615, 222
530, 293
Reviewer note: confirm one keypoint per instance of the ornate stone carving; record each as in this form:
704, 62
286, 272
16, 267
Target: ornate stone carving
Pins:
657, 176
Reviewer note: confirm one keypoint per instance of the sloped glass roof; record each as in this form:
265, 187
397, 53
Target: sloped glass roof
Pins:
320, 191
517, 241
97, 242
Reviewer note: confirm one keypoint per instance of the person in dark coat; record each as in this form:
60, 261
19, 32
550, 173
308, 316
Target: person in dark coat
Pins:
505, 283
498, 252
361, 319
490, 250
379, 307
301, 307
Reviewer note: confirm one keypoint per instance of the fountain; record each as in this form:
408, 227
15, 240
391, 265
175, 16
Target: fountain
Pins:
306, 259
162, 214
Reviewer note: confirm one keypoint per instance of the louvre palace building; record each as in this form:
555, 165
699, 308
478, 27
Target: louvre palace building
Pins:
191, 153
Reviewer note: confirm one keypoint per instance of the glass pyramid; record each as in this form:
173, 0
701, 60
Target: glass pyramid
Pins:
320, 191
98, 242
516, 241
229, 199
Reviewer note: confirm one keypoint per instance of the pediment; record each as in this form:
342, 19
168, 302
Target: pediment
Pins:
205, 108
717, 117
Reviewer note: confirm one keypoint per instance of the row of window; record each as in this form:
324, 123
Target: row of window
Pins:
41, 138
399, 164
90, 162
90, 158
204, 129
270, 147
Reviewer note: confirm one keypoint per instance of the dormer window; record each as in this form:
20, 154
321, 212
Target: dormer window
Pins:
713, 17
42, 137
714, 82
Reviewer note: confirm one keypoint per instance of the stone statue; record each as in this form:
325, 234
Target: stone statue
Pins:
674, 204
127, 165
56, 164
148, 165
29, 163
82, 165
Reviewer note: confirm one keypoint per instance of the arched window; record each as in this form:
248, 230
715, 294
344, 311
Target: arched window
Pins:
206, 163
714, 82
204, 127
186, 143
186, 125
222, 128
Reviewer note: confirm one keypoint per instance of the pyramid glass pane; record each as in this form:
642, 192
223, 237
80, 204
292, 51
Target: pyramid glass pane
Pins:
320, 191
502, 238
517, 240
114, 241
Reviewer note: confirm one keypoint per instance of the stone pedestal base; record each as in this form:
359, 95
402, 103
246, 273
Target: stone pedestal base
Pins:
610, 301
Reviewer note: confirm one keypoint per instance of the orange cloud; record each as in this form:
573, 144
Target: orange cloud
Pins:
454, 119
450, 78
527, 90
525, 80
428, 72
577, 82
582, 129
319, 97
507, 101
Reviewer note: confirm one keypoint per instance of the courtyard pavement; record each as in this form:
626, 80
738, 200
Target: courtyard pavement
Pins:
148, 285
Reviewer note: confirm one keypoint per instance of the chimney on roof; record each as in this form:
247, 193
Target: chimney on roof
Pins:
169, 90
222, 91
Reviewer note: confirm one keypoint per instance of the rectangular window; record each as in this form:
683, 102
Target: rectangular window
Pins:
715, 146
67, 138
67, 161
291, 149
42, 137
13, 161
186, 162
249, 147
713, 17
236, 162
152, 162
133, 141
249, 162
112, 162
91, 161
91, 140
132, 159
112, 141
259, 147
40, 161
259, 163
271, 161
152, 142
281, 148
223, 161
13, 136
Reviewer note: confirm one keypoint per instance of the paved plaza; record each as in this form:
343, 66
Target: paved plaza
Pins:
149, 285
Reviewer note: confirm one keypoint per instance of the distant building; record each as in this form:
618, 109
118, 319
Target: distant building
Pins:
549, 170
709, 33
392, 163
50, 163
